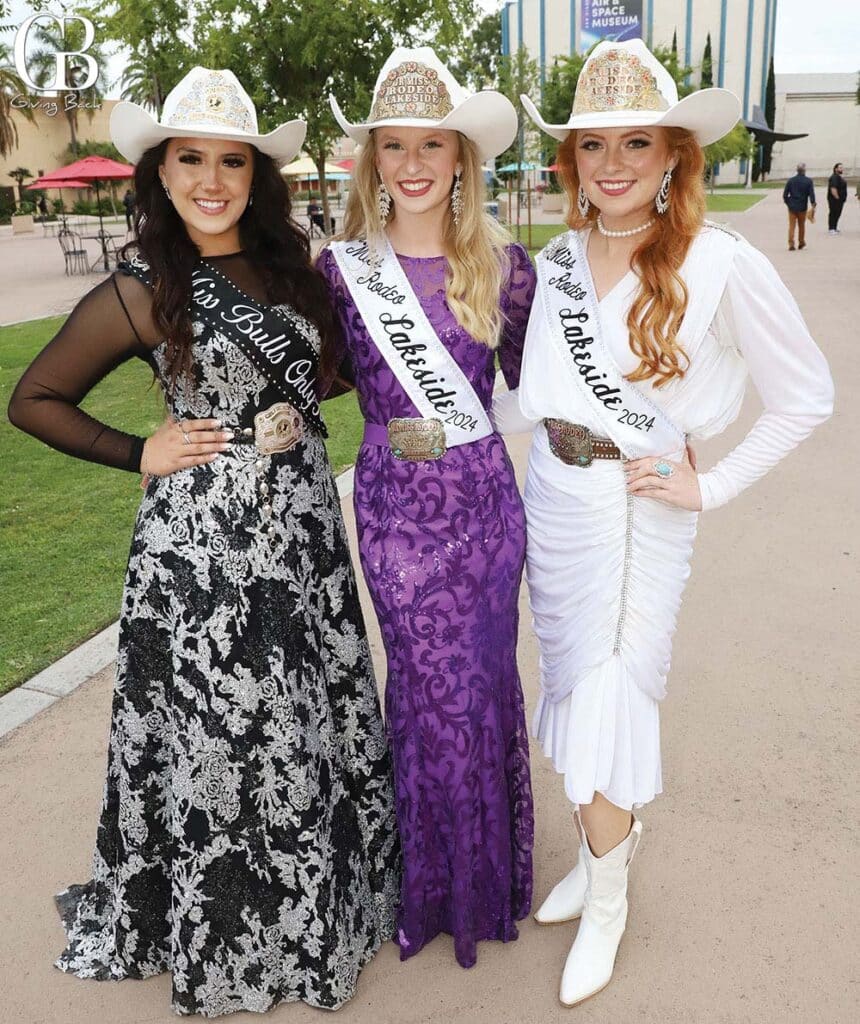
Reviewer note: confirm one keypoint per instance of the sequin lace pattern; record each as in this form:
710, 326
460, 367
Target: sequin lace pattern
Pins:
442, 547
247, 841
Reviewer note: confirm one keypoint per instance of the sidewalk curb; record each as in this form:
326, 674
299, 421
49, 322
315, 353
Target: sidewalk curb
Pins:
72, 670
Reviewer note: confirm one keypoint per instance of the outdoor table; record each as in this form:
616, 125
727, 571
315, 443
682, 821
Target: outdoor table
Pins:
101, 237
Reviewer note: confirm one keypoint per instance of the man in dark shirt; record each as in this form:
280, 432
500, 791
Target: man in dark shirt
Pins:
837, 196
797, 194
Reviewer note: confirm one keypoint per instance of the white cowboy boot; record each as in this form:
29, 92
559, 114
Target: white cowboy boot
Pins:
592, 957
566, 900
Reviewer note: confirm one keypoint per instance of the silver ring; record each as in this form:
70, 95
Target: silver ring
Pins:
664, 469
185, 438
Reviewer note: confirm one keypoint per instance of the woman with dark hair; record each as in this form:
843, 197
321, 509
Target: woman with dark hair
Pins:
647, 322
247, 841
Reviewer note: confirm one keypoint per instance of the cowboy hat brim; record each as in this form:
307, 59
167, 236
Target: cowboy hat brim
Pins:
487, 118
134, 131
709, 114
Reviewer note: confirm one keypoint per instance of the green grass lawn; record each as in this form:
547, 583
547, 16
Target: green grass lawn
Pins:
65, 525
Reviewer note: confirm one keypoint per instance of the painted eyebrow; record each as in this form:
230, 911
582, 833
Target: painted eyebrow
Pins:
199, 152
432, 137
636, 131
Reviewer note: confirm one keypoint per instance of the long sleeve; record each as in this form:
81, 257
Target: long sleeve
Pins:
337, 360
97, 337
789, 372
785, 193
517, 297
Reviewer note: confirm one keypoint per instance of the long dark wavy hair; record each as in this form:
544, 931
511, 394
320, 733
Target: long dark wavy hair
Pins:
276, 245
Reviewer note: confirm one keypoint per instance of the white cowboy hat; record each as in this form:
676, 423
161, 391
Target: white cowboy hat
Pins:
206, 104
415, 90
623, 85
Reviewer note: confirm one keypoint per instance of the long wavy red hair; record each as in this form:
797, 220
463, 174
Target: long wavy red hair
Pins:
661, 300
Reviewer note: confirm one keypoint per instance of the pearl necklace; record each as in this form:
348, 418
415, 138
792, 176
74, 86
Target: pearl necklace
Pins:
622, 234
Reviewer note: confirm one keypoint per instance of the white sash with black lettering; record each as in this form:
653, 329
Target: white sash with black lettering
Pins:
630, 419
406, 340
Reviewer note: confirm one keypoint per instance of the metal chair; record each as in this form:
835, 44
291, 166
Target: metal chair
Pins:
74, 252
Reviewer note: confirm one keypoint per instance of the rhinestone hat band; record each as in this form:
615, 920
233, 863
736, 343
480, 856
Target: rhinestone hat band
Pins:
213, 99
617, 80
411, 90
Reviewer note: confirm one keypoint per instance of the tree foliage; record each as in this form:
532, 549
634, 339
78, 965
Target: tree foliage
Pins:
738, 143
42, 62
770, 117
518, 75
21, 174
475, 61
10, 87
707, 76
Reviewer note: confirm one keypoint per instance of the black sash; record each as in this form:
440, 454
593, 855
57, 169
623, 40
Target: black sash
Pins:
271, 337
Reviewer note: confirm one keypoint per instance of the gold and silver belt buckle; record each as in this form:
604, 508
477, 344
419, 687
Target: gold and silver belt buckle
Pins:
277, 428
416, 440
570, 442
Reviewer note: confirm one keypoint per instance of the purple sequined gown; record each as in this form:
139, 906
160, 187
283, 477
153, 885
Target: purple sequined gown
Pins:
442, 545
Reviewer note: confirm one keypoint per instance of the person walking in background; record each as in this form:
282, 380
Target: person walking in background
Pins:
798, 194
128, 201
837, 196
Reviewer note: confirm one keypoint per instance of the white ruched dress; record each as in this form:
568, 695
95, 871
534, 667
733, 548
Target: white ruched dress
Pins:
606, 570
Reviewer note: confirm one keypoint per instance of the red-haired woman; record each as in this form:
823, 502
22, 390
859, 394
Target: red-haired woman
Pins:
647, 321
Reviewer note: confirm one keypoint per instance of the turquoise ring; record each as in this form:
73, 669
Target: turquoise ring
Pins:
663, 469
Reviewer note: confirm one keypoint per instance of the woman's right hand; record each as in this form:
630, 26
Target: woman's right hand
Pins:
179, 444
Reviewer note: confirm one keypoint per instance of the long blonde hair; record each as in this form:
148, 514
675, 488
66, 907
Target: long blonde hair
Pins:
478, 265
661, 299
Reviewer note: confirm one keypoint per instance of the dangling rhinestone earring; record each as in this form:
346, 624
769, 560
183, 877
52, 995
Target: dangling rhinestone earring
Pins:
251, 197
582, 203
661, 200
457, 199
166, 189
383, 199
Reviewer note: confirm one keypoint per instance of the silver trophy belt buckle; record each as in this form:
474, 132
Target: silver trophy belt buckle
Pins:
278, 428
416, 440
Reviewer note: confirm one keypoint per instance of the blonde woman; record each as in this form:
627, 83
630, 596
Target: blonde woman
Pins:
648, 321
428, 293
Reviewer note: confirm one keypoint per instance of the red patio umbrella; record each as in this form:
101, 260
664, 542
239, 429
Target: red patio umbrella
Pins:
93, 169
57, 183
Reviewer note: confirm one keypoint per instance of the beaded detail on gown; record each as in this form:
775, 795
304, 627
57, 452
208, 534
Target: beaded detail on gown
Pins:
247, 842
442, 546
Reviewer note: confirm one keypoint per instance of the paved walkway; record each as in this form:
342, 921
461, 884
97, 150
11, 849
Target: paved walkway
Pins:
741, 892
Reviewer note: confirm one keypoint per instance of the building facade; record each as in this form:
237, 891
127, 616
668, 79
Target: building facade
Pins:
742, 36
823, 105
43, 143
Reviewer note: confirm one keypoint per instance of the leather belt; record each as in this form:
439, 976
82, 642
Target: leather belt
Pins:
575, 444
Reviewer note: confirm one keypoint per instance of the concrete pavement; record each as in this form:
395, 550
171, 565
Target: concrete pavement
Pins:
741, 892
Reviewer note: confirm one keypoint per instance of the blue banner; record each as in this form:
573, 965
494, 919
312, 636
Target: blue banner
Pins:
609, 19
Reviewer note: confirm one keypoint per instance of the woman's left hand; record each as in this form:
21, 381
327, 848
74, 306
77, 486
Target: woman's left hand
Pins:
680, 487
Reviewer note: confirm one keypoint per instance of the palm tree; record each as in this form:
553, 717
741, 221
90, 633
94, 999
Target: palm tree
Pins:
10, 87
43, 63
141, 84
19, 174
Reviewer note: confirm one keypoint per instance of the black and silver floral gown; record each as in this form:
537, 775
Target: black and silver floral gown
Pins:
247, 841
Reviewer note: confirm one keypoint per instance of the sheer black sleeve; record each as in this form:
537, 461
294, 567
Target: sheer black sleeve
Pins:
109, 325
